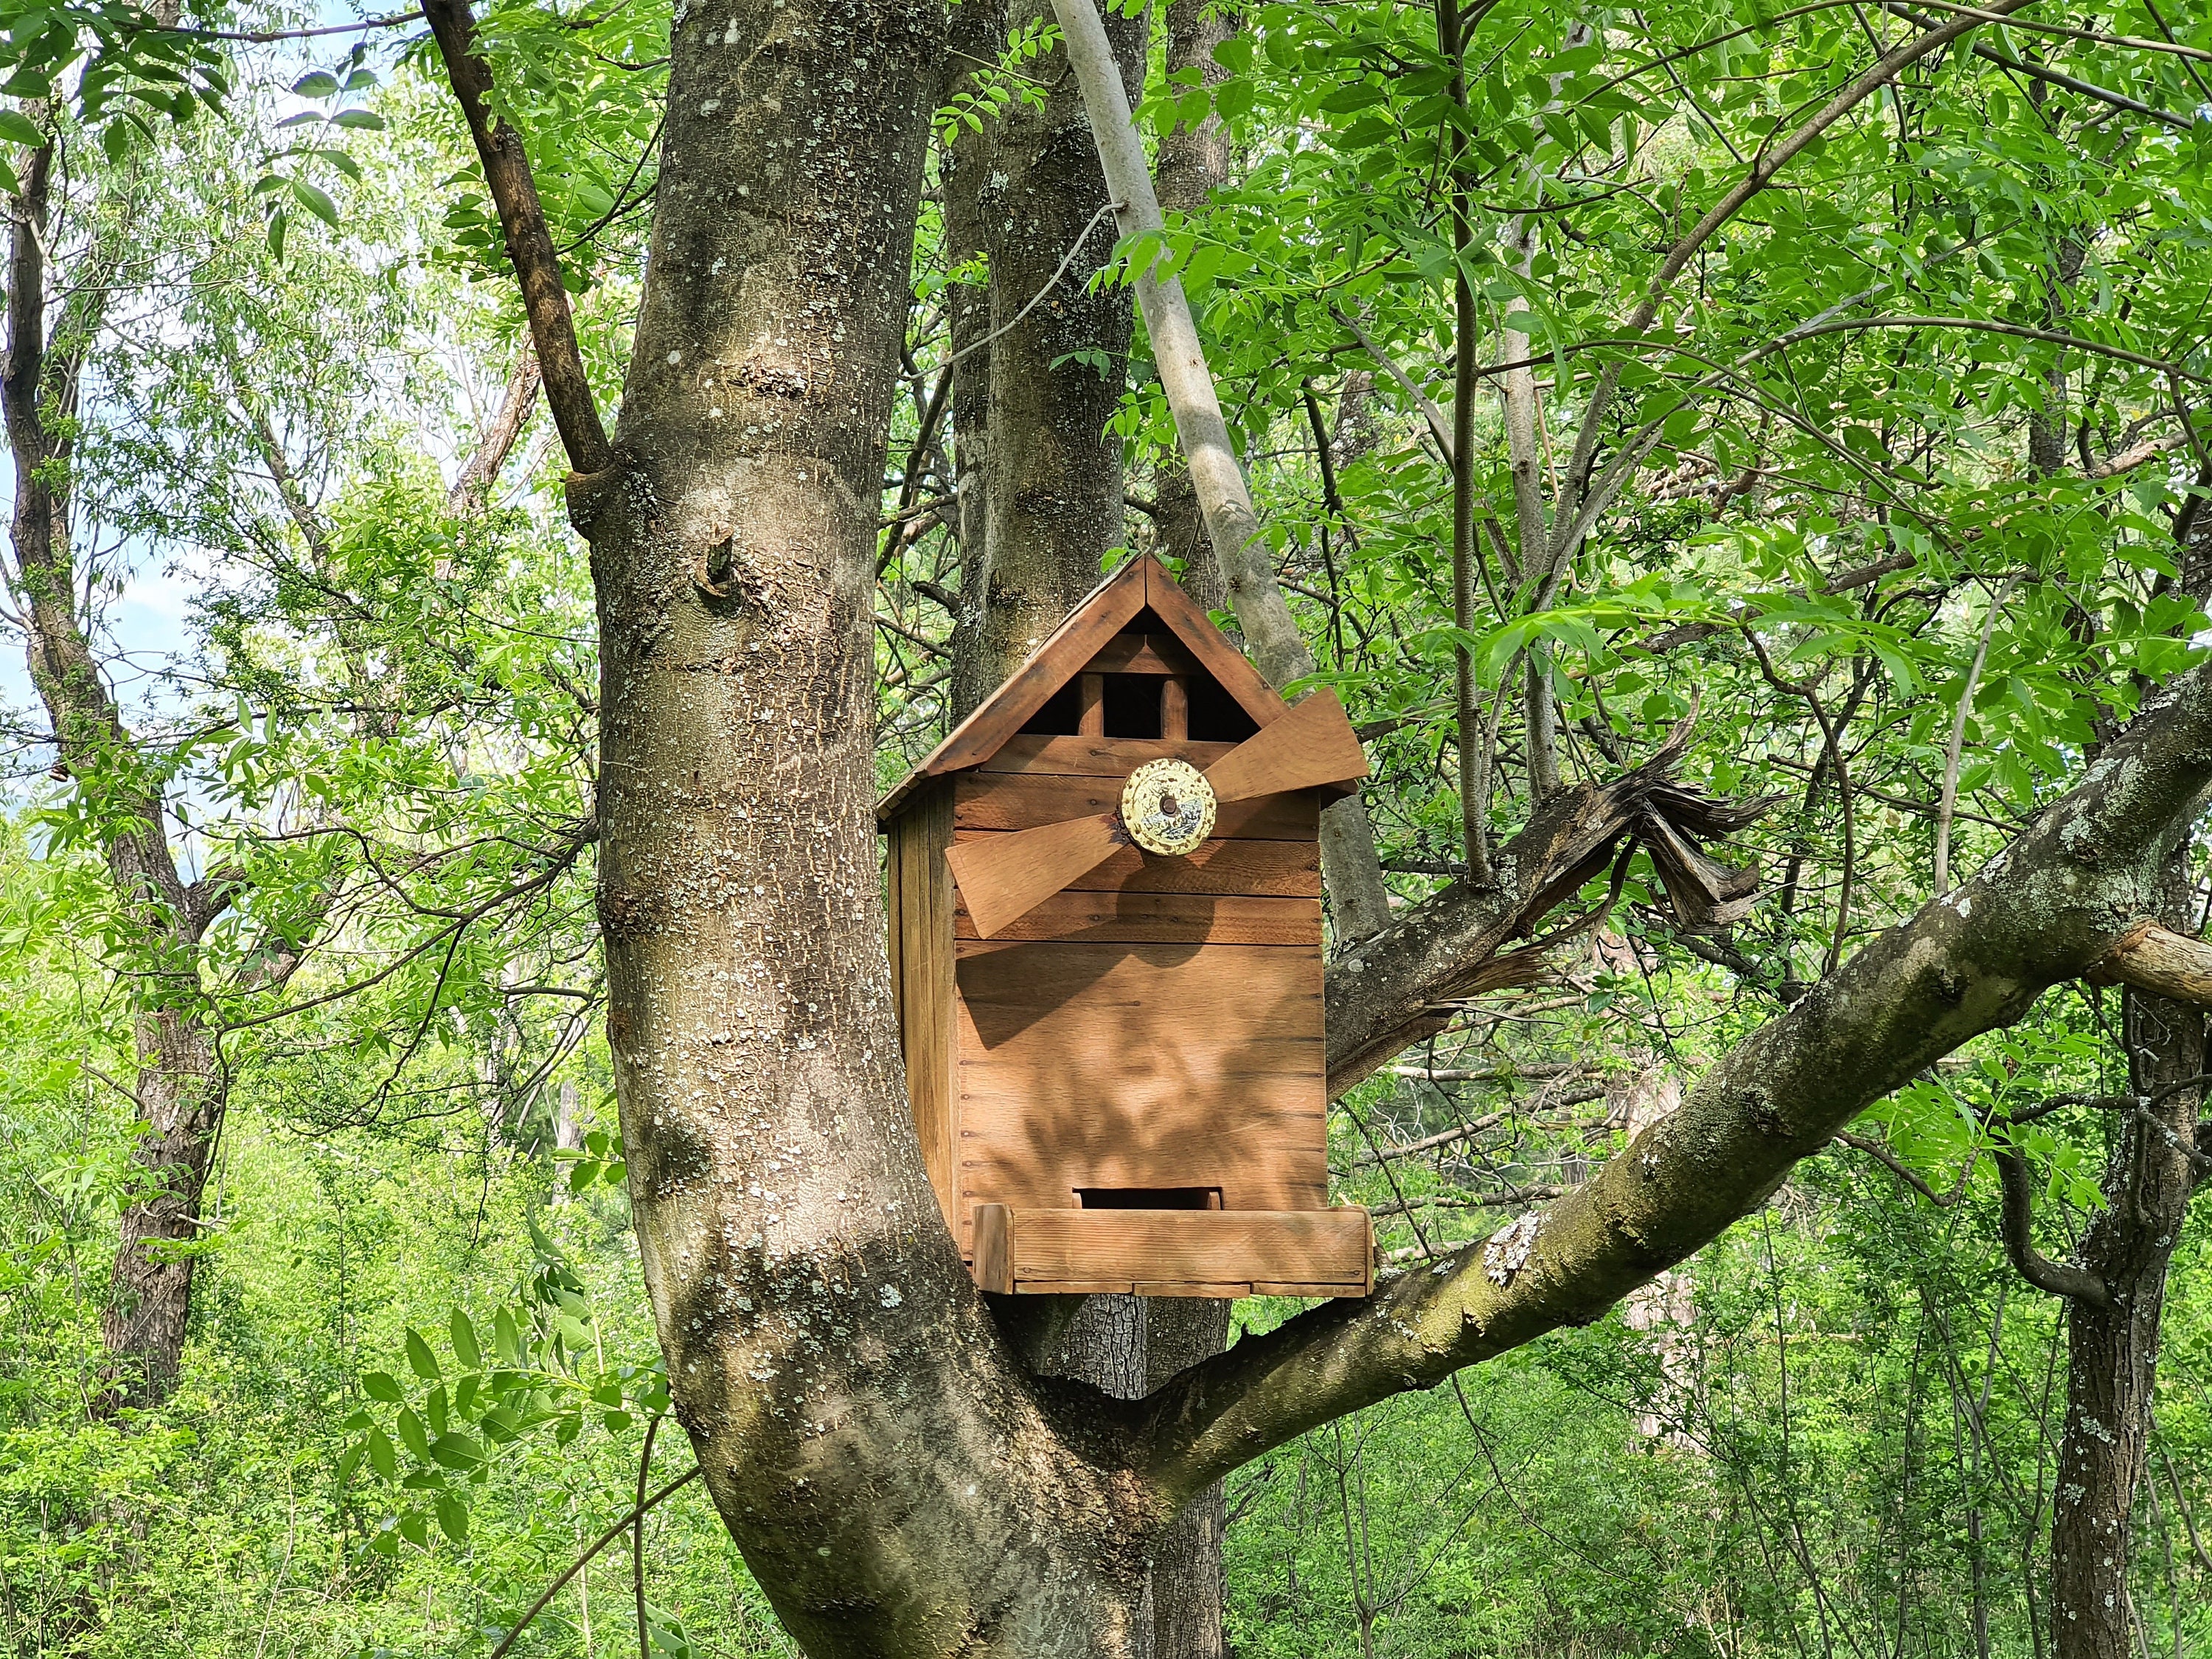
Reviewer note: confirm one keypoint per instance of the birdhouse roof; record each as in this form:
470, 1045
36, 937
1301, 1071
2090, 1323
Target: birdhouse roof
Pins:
1141, 584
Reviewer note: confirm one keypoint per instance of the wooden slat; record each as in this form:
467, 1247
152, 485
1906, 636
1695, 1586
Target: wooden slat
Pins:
1081, 1287
993, 1252
1123, 917
1090, 705
1331, 1248
1175, 711
999, 800
1256, 869
922, 940
1097, 757
1143, 653
1175, 1287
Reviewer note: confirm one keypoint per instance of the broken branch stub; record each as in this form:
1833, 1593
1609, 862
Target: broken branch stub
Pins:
2153, 957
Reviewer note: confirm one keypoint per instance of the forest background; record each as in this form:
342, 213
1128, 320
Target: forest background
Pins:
1894, 501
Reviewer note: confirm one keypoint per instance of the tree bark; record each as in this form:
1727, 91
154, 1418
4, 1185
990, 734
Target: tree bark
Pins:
1053, 503
964, 177
2151, 1172
1194, 163
2111, 1343
1189, 1584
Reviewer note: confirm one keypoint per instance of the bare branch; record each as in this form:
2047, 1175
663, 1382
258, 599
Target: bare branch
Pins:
529, 243
473, 488
2153, 957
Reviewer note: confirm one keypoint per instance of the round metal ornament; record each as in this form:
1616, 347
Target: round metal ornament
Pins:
1167, 806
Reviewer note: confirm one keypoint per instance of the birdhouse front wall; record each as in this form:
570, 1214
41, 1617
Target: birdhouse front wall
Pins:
1150, 1038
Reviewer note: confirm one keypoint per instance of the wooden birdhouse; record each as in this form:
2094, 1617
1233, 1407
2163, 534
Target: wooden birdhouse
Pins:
1106, 941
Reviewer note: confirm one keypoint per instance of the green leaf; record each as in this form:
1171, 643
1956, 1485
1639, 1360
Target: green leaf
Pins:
317, 83
452, 1517
315, 202
277, 236
368, 119
464, 1340
411, 1435
382, 1385
18, 130
457, 1451
383, 1456
507, 1339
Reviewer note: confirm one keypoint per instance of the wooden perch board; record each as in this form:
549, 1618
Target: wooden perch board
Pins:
1197, 1252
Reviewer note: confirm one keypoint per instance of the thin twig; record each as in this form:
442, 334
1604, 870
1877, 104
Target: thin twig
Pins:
585, 1559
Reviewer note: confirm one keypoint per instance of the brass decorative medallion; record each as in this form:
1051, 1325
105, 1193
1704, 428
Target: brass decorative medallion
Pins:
1167, 806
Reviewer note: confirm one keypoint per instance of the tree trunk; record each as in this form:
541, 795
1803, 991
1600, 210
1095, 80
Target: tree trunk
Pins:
1052, 501
2112, 1358
964, 178
1187, 1582
897, 1482
1664, 1309
1194, 163
181, 1102
2112, 1349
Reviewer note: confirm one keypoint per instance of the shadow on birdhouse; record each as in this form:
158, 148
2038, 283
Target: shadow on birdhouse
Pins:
1106, 943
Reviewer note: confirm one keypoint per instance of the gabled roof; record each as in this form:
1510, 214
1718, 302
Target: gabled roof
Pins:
1141, 584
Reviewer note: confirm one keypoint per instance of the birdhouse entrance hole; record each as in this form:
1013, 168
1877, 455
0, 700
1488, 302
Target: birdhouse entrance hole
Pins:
1106, 946
1149, 1198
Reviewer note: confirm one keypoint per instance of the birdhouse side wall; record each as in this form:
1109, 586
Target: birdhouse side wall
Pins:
921, 904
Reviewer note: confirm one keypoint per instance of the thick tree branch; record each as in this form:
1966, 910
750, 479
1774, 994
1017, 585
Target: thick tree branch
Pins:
2045, 910
529, 243
2038, 1269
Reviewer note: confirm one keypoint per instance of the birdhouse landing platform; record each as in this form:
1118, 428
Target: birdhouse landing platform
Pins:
1106, 943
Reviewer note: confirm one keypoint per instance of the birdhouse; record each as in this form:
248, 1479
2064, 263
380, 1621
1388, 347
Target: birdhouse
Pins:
1106, 941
